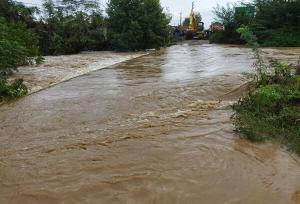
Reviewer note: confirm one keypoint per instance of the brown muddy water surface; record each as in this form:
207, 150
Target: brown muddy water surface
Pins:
57, 69
155, 129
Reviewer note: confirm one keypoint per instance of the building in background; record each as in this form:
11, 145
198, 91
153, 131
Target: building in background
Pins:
215, 27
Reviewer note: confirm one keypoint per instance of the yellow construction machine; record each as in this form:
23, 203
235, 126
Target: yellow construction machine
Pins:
194, 31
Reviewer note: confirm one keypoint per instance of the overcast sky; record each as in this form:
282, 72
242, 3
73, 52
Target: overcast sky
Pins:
175, 7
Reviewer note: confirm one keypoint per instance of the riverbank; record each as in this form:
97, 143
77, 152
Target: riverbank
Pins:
272, 111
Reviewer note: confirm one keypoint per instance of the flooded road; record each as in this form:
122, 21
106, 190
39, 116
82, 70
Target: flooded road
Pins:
155, 129
57, 69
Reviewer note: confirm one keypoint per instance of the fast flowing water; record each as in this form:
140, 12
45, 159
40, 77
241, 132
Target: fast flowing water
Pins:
155, 129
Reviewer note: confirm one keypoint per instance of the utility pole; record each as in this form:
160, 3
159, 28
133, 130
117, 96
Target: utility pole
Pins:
180, 17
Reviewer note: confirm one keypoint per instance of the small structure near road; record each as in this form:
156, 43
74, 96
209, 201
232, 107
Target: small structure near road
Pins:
215, 27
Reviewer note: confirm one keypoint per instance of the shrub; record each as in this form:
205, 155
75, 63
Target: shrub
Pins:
267, 97
223, 37
281, 38
218, 37
272, 111
14, 90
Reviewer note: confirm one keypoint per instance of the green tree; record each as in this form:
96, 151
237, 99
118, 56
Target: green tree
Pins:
16, 12
277, 22
72, 26
186, 22
274, 22
137, 24
231, 20
18, 46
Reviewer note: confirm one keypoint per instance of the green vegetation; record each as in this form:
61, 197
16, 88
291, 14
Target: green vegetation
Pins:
225, 37
18, 46
272, 111
231, 21
11, 91
137, 24
281, 38
274, 22
70, 27
277, 22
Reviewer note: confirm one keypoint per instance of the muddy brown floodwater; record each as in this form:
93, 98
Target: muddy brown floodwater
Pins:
155, 129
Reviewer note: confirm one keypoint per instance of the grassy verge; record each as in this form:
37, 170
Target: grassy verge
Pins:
272, 111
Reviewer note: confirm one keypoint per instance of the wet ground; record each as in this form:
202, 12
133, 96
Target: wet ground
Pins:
155, 129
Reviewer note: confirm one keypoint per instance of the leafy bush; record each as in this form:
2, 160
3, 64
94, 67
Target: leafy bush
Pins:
272, 112
218, 37
13, 90
267, 97
223, 37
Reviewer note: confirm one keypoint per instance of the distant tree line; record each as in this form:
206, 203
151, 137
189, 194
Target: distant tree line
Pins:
71, 26
275, 22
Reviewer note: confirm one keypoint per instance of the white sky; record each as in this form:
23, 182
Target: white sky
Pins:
205, 7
